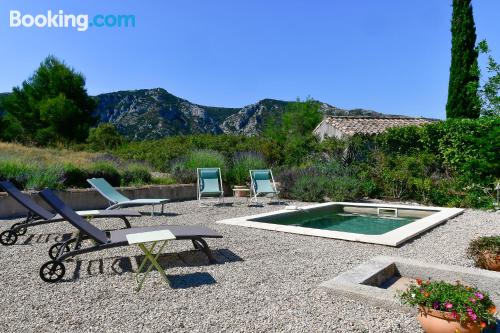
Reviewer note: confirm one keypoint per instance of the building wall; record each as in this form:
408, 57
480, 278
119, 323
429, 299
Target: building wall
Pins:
325, 130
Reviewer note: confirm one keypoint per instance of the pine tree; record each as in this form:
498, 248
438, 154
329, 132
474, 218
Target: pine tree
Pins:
52, 106
463, 98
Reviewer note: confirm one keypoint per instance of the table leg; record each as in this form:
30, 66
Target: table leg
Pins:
153, 259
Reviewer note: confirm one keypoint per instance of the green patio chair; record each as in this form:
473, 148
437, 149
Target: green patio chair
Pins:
116, 199
209, 184
262, 184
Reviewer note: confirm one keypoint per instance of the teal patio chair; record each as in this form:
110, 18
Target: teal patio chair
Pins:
116, 199
262, 184
209, 184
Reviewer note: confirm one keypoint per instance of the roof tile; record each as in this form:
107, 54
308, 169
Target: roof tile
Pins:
369, 125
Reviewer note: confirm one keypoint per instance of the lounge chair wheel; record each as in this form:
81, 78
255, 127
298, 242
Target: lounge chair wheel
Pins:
20, 231
52, 271
54, 249
8, 237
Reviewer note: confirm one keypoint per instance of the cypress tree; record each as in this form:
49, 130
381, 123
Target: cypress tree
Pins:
463, 98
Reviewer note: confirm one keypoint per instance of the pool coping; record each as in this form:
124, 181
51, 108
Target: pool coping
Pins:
395, 237
353, 283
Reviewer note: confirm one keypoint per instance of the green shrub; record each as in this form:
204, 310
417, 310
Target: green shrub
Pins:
476, 198
405, 176
344, 188
104, 137
163, 153
239, 174
15, 171
184, 169
11, 128
205, 159
310, 187
106, 170
136, 175
45, 177
292, 131
287, 177
326, 179
30, 176
468, 148
471, 148
163, 181
74, 177
402, 140
181, 174
368, 185
477, 248
349, 150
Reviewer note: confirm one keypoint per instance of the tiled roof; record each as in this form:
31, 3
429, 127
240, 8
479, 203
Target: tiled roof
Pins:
370, 125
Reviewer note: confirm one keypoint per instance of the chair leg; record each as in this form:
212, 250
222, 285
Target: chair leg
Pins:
78, 241
201, 244
196, 244
255, 199
127, 223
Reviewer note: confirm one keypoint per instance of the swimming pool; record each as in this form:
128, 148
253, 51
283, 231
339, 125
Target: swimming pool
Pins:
368, 224
371, 223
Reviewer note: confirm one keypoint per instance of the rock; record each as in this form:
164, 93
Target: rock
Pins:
155, 113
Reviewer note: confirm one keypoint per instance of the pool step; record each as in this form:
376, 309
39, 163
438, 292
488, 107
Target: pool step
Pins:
381, 211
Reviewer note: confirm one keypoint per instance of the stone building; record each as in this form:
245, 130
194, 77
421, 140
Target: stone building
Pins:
346, 126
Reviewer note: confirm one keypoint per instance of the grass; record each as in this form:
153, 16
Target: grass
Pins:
35, 168
47, 156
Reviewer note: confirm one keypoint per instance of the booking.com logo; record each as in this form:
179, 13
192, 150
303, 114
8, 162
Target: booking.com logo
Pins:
81, 22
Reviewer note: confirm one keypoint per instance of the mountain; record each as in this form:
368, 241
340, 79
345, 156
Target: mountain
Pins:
155, 113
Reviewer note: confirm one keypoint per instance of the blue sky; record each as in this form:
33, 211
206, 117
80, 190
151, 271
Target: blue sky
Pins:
387, 55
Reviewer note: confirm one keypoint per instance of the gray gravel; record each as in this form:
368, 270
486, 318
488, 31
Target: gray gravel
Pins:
266, 282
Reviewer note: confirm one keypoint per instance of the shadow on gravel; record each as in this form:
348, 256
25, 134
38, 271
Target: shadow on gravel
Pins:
124, 265
159, 214
192, 280
277, 203
222, 204
45, 238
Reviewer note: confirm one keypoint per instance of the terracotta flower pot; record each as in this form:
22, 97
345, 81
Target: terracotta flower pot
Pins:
433, 321
491, 261
241, 194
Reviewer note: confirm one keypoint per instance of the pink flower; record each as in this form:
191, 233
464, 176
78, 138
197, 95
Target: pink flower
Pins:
454, 315
436, 305
472, 299
471, 314
479, 295
448, 305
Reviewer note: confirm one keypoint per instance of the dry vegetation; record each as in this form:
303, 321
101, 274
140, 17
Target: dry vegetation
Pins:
47, 156
36, 168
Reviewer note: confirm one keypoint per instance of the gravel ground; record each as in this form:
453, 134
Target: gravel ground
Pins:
266, 281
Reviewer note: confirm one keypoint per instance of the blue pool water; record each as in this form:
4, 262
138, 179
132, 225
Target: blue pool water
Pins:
338, 221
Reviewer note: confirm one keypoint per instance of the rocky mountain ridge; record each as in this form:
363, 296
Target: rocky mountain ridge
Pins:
155, 113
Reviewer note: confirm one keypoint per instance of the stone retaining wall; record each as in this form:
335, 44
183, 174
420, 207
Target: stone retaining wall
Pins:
86, 199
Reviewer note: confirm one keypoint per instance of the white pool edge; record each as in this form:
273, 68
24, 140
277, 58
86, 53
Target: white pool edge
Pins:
392, 238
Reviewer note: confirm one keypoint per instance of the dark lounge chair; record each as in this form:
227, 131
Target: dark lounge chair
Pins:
37, 215
54, 270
